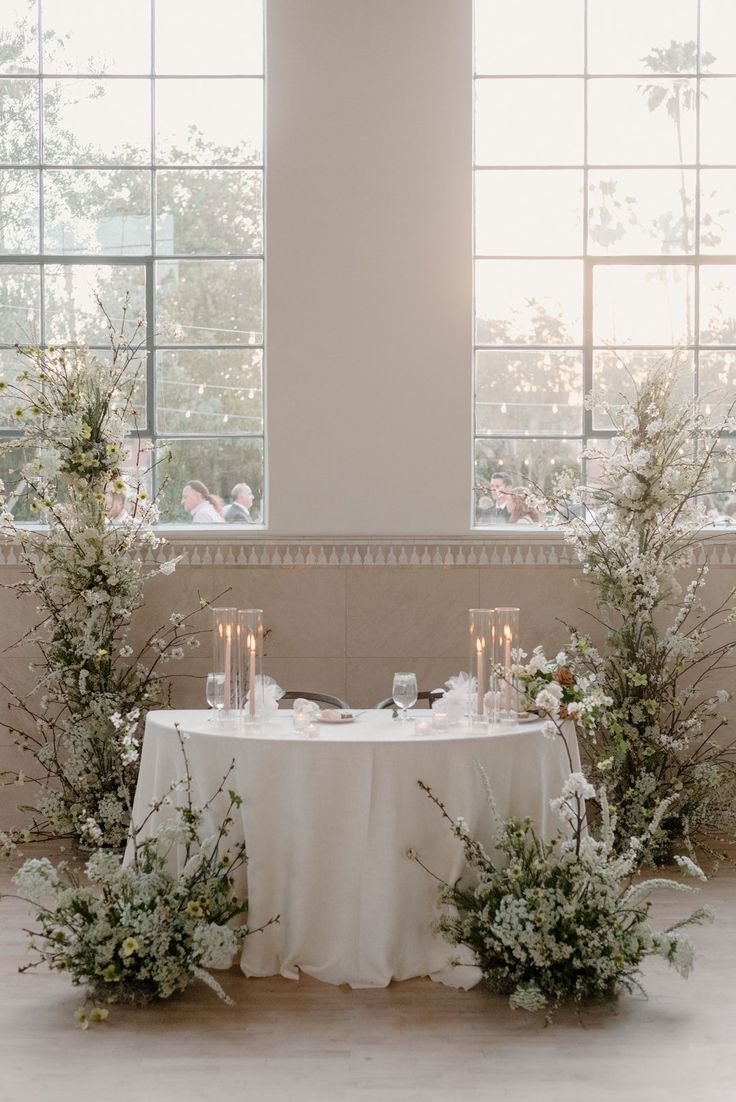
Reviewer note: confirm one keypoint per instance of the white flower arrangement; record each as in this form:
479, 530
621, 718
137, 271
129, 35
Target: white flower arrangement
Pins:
84, 719
139, 931
560, 921
634, 537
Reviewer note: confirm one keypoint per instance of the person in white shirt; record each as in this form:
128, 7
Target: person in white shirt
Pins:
204, 507
239, 511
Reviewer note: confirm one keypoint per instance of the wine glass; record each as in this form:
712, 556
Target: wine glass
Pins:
216, 692
405, 692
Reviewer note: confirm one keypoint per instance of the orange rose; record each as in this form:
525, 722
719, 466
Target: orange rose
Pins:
564, 676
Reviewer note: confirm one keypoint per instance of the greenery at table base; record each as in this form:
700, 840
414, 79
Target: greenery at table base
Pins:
561, 921
83, 721
138, 932
636, 536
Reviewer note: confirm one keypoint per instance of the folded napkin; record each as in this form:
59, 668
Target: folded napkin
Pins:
307, 708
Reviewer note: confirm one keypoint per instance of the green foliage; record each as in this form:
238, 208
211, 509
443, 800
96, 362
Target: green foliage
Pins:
560, 921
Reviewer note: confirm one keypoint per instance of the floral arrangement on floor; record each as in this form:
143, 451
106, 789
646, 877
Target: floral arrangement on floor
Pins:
636, 537
561, 921
83, 720
139, 931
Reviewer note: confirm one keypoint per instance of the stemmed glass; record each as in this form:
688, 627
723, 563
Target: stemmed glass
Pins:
405, 692
216, 693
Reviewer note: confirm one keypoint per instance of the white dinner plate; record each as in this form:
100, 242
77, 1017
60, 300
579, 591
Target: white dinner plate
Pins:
334, 715
531, 717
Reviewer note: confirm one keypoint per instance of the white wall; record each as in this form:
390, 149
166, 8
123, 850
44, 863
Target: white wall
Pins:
369, 303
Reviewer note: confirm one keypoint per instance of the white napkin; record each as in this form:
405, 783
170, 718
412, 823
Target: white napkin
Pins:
272, 693
459, 690
308, 708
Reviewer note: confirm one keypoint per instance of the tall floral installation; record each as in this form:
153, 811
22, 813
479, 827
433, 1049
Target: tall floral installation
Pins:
641, 538
82, 723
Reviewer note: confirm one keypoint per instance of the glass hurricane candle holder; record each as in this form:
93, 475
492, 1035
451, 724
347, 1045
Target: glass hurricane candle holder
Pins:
481, 662
225, 657
506, 639
250, 668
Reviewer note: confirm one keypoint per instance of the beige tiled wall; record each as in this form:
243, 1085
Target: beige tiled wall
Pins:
342, 630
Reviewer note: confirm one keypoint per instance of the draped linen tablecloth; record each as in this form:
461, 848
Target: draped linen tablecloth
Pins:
328, 821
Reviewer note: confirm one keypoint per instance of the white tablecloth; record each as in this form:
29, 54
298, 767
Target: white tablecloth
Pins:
328, 821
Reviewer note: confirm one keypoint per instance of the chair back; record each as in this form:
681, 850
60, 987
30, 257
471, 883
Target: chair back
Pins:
430, 696
320, 698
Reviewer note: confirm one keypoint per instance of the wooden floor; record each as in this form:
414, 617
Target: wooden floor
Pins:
410, 1041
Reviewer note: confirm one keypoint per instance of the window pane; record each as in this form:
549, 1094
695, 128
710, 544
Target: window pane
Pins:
19, 497
210, 301
19, 36
218, 391
616, 371
194, 121
722, 502
82, 37
718, 35
97, 121
137, 419
530, 463
630, 37
529, 213
718, 304
642, 122
91, 211
529, 122
717, 381
529, 392
528, 302
538, 36
20, 304
18, 210
11, 365
19, 114
211, 211
643, 304
718, 210
220, 464
221, 36
717, 132
71, 311
641, 211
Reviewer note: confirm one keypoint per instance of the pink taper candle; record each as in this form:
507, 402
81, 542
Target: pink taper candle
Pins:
251, 674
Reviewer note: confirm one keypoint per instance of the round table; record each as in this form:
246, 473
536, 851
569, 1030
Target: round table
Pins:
328, 821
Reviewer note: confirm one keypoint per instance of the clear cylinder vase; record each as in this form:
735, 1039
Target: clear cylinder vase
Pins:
506, 642
480, 663
250, 668
225, 657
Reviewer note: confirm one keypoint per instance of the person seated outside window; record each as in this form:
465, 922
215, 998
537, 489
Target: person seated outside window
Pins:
204, 507
521, 511
238, 512
116, 508
501, 482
